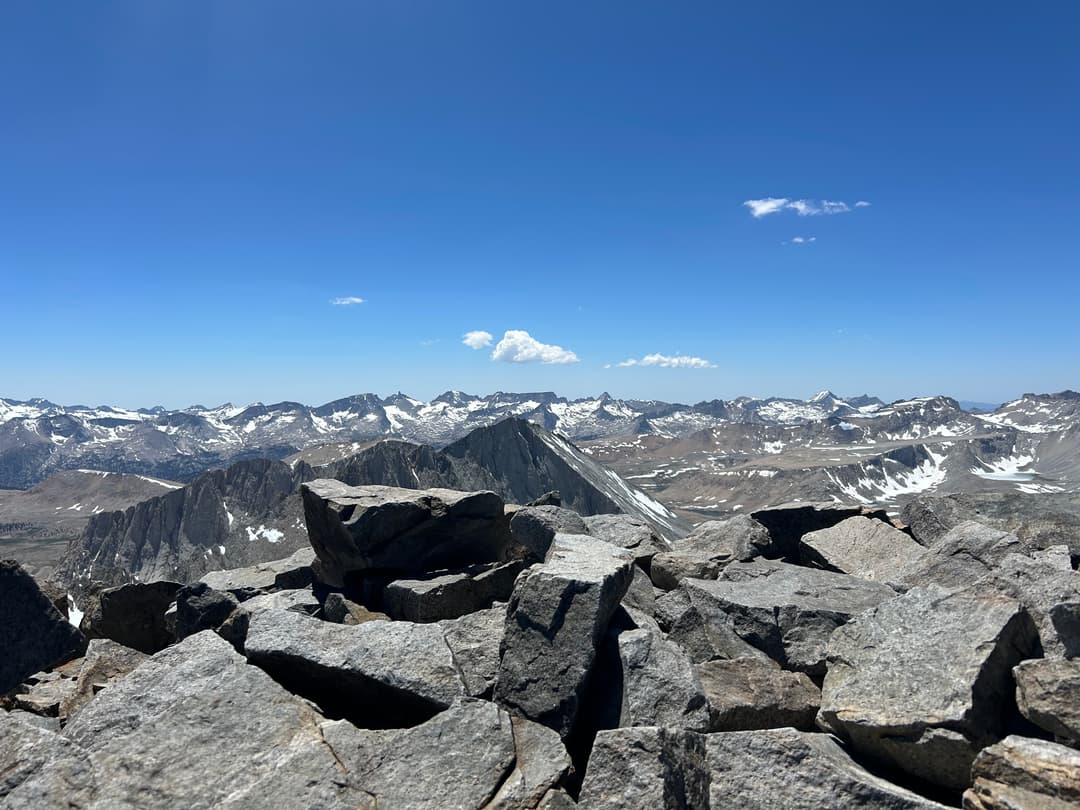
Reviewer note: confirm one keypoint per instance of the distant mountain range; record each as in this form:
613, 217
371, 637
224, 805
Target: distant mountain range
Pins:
39, 438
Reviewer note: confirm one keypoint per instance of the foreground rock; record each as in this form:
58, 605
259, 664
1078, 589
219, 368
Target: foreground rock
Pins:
788, 611
962, 555
155, 739
633, 534
33, 634
376, 674
289, 573
787, 523
748, 693
1048, 694
862, 547
1027, 774
105, 661
132, 615
794, 770
657, 684
647, 767
1051, 595
923, 681
700, 625
708, 548
354, 529
534, 527
470, 756
556, 617
448, 595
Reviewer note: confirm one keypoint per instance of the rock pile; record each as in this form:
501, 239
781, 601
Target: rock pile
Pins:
441, 649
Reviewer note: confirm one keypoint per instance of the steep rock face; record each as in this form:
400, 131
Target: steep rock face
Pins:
224, 519
519, 460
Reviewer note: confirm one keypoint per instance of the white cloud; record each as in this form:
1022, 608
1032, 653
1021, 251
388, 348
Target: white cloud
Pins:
518, 346
804, 240
804, 208
477, 339
346, 301
668, 361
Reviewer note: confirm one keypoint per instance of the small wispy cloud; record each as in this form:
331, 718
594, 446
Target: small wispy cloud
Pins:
429, 341
518, 346
346, 301
477, 339
667, 361
804, 208
803, 240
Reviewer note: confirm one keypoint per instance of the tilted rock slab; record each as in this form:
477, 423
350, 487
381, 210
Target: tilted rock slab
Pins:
748, 693
194, 726
788, 522
923, 681
535, 527
105, 661
650, 767
33, 634
354, 529
1020, 773
631, 533
378, 674
556, 617
449, 595
796, 770
289, 573
862, 547
472, 755
789, 611
1048, 694
700, 625
962, 555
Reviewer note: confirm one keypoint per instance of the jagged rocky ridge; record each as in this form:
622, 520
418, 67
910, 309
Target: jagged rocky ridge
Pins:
555, 667
251, 511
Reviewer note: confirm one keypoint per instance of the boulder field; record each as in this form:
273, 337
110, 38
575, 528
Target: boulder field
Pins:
442, 649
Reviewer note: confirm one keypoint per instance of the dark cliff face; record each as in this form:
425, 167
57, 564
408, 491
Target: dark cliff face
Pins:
251, 511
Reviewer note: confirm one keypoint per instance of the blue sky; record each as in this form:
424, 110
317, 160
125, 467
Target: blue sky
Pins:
186, 187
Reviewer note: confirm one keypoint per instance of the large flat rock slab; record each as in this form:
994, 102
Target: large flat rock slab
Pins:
862, 547
789, 611
356, 529
555, 620
194, 726
376, 674
796, 770
924, 681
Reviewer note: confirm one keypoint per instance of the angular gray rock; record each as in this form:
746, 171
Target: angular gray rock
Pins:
448, 595
657, 684
788, 611
474, 642
44, 693
1048, 694
199, 607
376, 674
862, 547
104, 662
641, 595
962, 555
156, 737
1044, 520
737, 538
535, 527
1051, 595
289, 573
631, 533
354, 529
748, 693
557, 615
132, 615
647, 767
1020, 773
699, 624
40, 767
923, 681
671, 567
787, 523
795, 770
340, 610
470, 756
33, 634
